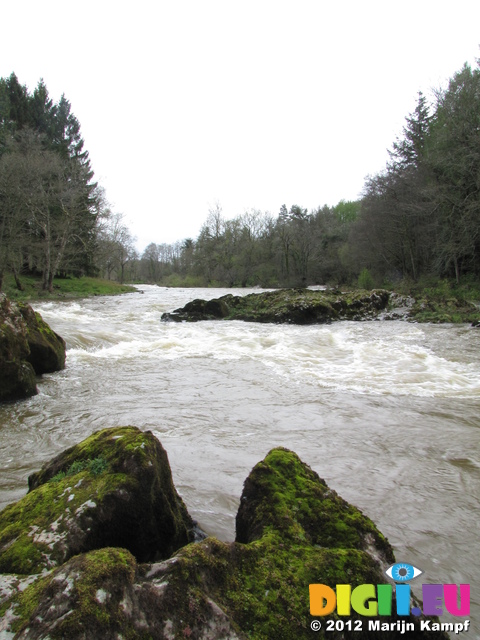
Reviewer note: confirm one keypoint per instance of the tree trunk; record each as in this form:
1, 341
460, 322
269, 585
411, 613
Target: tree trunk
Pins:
20, 286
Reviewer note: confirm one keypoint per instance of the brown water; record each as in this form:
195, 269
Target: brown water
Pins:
386, 412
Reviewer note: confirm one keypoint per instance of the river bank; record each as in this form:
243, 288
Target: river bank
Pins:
63, 288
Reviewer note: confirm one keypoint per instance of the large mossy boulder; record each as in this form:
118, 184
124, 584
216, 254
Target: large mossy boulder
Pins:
292, 306
284, 497
292, 531
17, 376
28, 347
113, 489
47, 348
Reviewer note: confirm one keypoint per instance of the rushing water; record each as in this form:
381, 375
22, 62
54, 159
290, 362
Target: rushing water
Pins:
386, 412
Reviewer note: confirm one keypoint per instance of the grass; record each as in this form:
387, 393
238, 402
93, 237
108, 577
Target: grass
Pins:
63, 288
444, 300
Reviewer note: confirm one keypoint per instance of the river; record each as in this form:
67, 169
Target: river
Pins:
388, 413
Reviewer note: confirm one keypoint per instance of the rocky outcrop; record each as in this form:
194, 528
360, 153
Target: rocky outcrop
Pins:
113, 489
293, 306
292, 531
28, 347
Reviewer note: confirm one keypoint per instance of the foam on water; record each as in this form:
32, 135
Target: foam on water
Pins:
375, 358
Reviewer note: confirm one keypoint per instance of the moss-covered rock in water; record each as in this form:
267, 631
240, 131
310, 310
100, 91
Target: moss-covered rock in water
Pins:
28, 347
47, 348
282, 495
294, 306
113, 489
292, 531
17, 376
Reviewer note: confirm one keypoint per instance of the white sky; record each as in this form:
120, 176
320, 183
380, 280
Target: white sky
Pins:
251, 104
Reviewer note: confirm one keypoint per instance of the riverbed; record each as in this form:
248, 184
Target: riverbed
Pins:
388, 413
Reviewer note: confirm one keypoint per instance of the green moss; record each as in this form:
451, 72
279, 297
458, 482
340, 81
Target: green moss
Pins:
95, 467
284, 495
33, 529
111, 570
27, 601
263, 586
98, 451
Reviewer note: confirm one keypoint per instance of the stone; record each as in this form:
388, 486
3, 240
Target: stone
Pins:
47, 348
28, 347
113, 489
292, 531
17, 376
293, 306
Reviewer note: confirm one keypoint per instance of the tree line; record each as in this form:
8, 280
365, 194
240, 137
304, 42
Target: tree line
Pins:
54, 218
419, 217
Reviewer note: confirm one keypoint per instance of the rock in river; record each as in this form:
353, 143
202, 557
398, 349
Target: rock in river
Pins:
292, 531
28, 347
113, 489
294, 306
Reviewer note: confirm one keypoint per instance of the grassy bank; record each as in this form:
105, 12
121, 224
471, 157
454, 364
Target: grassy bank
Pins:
63, 288
443, 300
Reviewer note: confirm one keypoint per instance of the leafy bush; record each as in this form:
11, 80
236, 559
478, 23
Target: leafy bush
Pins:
365, 280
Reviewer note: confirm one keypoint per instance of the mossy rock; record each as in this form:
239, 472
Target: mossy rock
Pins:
47, 348
106, 594
113, 489
257, 589
284, 496
28, 347
17, 376
292, 306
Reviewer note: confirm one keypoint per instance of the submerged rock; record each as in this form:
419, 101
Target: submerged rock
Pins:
294, 306
292, 531
113, 489
28, 347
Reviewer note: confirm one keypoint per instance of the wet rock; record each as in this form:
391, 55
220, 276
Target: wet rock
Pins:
17, 376
28, 347
292, 531
106, 594
47, 348
294, 306
113, 489
199, 310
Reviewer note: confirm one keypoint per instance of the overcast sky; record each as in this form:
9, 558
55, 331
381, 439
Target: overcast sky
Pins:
251, 104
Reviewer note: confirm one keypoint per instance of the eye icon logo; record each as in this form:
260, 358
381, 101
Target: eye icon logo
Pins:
402, 572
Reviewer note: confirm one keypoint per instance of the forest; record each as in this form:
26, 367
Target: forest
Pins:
418, 218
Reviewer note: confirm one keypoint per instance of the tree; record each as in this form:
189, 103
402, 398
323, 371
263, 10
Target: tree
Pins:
52, 186
42, 204
455, 160
116, 245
